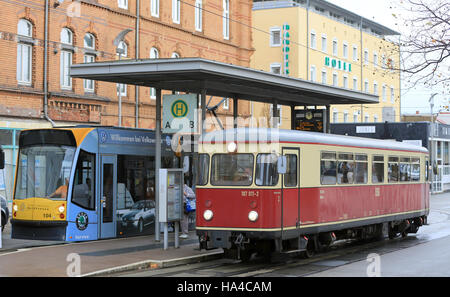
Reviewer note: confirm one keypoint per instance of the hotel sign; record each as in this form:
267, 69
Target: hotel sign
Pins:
338, 64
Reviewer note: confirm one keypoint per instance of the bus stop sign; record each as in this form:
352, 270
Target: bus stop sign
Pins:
179, 113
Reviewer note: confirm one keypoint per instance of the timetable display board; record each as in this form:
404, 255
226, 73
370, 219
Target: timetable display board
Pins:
309, 120
171, 195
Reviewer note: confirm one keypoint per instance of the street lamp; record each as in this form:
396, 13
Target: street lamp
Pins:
120, 51
432, 146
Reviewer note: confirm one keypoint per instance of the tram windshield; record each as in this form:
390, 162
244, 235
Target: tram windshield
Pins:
232, 170
44, 171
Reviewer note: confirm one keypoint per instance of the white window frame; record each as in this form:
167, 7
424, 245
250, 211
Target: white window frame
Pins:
375, 59
124, 46
65, 63
366, 57
176, 5
375, 88
355, 53
355, 117
312, 73
226, 19
335, 82
335, 45
154, 8
279, 110
226, 104
274, 66
355, 83
24, 53
366, 86
122, 88
335, 116
198, 15
154, 54
345, 116
122, 4
313, 39
324, 76
324, 43
89, 84
345, 81
272, 39
345, 49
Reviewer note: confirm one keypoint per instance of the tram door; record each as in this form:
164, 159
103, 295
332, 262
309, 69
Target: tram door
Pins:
108, 186
290, 186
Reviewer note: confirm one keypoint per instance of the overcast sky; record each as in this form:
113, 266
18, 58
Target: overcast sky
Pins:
381, 12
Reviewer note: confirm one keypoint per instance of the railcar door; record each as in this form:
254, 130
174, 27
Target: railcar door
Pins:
108, 192
290, 193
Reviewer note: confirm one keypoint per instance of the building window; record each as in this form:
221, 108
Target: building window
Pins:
122, 90
154, 8
375, 59
345, 82
345, 50
375, 88
154, 54
355, 117
355, 83
89, 43
324, 43
366, 86
383, 93
366, 118
66, 59
335, 47
392, 95
355, 53
278, 122
345, 116
124, 48
275, 68
313, 39
198, 15
226, 103
324, 76
275, 36
335, 116
24, 52
313, 73
226, 19
335, 80
123, 4
176, 11
366, 57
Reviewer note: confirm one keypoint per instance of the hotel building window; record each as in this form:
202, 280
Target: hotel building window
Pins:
24, 51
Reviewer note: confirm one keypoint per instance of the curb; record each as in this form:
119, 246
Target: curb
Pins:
156, 264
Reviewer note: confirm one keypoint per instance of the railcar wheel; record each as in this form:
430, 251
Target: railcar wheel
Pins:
310, 249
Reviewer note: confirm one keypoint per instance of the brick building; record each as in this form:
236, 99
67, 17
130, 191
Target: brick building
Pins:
83, 31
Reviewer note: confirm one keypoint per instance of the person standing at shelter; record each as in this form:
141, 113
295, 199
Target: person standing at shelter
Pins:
188, 196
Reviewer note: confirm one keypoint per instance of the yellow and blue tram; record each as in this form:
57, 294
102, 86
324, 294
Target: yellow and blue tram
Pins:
86, 183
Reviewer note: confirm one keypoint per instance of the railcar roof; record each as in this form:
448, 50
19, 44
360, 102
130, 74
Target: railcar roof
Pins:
294, 136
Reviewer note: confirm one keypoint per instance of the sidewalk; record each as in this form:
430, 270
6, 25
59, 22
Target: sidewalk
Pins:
98, 258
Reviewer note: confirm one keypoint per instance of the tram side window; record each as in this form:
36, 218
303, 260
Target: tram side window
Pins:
290, 178
84, 181
266, 173
232, 169
203, 172
328, 168
360, 172
378, 169
415, 169
393, 170
405, 169
346, 168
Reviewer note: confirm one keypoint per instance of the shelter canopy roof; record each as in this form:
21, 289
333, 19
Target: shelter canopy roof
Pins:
219, 79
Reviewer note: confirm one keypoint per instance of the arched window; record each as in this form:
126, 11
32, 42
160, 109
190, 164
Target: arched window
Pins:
89, 41
175, 55
124, 47
66, 37
24, 52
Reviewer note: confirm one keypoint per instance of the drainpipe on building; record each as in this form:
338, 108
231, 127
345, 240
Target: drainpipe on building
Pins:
46, 66
138, 17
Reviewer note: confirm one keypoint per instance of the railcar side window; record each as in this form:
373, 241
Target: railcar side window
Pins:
84, 181
360, 171
203, 172
393, 171
232, 169
266, 173
378, 169
328, 168
290, 178
427, 169
405, 169
415, 169
346, 168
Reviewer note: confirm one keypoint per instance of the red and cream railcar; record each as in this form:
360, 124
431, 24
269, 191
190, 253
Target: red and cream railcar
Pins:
280, 190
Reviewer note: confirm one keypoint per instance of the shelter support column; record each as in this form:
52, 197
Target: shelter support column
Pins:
157, 160
275, 114
326, 120
235, 111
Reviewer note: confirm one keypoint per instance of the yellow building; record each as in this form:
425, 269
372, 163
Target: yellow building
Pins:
321, 42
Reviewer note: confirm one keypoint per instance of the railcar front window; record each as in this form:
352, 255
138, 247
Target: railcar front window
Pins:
232, 169
266, 170
44, 172
203, 164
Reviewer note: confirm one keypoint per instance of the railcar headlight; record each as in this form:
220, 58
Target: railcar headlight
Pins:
232, 147
253, 216
208, 214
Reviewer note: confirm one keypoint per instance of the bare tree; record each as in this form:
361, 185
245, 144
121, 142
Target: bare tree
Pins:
425, 41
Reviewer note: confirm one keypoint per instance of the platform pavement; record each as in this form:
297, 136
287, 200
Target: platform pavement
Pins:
102, 257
